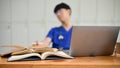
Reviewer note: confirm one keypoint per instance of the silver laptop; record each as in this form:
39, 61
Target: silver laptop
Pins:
93, 40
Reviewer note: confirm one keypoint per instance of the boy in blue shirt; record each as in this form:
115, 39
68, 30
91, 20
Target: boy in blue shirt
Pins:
59, 36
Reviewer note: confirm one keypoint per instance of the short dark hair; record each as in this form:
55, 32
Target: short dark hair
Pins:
60, 6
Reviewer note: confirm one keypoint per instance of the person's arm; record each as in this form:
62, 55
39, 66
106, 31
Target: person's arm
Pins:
44, 43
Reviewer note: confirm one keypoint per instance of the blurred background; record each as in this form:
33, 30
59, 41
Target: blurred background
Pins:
24, 21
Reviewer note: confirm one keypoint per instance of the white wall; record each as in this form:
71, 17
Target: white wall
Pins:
24, 21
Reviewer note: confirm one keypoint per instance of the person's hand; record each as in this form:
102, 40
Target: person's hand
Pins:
38, 44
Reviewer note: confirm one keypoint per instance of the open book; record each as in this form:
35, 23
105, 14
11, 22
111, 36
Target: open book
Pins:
42, 56
8, 49
18, 50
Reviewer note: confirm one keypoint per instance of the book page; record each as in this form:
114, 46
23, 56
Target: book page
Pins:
35, 50
7, 49
20, 57
58, 53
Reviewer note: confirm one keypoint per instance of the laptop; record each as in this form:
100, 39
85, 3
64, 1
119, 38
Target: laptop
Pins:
93, 40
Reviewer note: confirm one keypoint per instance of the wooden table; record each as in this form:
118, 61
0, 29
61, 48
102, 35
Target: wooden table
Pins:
77, 62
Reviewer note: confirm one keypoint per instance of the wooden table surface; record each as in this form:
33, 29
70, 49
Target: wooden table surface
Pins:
77, 62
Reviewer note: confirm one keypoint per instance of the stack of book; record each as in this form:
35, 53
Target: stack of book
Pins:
45, 53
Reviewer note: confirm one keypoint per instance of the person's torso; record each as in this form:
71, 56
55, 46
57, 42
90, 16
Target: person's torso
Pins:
61, 38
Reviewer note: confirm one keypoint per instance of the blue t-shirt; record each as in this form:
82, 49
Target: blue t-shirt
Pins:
60, 37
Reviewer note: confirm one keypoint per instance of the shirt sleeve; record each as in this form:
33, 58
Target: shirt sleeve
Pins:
50, 33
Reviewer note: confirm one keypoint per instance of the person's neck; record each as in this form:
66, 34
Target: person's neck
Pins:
67, 25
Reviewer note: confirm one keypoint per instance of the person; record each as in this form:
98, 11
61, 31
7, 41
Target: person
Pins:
59, 36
